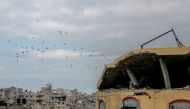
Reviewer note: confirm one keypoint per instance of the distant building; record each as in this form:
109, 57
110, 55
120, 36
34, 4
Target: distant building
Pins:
46, 98
10, 95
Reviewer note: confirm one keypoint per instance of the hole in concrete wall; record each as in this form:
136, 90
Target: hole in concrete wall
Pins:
122, 80
147, 71
148, 76
178, 71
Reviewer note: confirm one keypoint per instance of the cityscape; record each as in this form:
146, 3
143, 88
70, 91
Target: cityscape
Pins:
94, 54
46, 98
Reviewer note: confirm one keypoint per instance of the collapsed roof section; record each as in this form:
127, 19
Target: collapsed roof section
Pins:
154, 68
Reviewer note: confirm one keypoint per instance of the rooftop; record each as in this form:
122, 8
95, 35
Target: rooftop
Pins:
144, 67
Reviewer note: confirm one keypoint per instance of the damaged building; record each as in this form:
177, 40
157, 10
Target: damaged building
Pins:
46, 98
150, 78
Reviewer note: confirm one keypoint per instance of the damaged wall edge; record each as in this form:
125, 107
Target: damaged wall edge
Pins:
161, 68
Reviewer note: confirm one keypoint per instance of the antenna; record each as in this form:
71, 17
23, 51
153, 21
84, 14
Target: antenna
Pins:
175, 36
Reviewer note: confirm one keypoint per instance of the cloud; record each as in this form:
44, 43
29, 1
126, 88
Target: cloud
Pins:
92, 12
111, 27
62, 53
142, 7
2, 68
66, 11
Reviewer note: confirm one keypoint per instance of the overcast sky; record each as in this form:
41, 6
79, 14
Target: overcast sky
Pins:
67, 42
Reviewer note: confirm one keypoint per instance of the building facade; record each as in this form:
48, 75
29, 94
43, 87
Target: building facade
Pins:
46, 98
152, 78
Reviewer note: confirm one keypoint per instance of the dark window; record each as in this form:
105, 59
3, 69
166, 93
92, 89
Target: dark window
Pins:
180, 105
18, 101
23, 101
101, 105
129, 103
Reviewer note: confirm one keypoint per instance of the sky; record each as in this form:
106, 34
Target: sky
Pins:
68, 42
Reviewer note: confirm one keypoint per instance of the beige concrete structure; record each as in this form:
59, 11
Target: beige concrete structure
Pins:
152, 99
152, 78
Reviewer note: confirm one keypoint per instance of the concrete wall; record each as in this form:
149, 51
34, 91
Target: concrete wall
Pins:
153, 99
